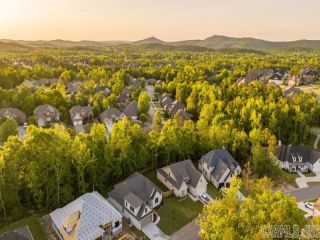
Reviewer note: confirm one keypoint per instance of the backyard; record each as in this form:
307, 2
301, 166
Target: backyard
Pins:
175, 213
33, 224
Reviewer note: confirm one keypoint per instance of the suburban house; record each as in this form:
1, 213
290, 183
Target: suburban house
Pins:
80, 114
175, 107
124, 98
109, 117
131, 111
165, 100
88, 217
183, 178
13, 113
46, 114
73, 87
135, 198
103, 89
218, 166
295, 158
308, 75
21, 233
183, 114
134, 82
261, 75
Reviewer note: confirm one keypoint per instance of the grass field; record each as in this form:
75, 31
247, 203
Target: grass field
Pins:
33, 224
175, 213
311, 184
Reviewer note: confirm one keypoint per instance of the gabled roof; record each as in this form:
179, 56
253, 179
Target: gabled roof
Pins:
12, 113
286, 153
124, 96
110, 113
73, 87
136, 186
132, 109
94, 212
21, 233
175, 107
82, 111
183, 171
221, 160
184, 115
45, 111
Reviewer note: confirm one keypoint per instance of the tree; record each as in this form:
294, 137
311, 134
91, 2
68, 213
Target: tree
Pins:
230, 218
143, 103
8, 128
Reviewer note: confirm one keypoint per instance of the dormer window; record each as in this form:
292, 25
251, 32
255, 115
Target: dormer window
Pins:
145, 210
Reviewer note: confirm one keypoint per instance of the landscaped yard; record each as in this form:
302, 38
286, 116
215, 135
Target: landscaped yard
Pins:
175, 213
213, 192
310, 184
33, 224
310, 174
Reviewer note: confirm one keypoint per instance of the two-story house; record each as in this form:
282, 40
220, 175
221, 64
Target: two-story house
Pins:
183, 178
295, 158
46, 114
218, 166
135, 198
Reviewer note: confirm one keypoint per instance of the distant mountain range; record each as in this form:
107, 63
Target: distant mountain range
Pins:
214, 42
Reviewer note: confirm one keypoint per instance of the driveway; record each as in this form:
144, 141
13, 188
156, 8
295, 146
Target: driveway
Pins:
21, 132
79, 129
302, 181
188, 232
304, 194
153, 232
308, 211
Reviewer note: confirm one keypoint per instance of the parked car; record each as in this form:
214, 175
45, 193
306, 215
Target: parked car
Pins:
204, 198
309, 205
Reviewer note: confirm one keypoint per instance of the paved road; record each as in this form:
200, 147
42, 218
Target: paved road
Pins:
153, 232
188, 232
304, 194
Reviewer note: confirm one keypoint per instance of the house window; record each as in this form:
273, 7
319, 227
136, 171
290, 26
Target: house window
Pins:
156, 200
145, 210
126, 204
117, 224
131, 209
208, 167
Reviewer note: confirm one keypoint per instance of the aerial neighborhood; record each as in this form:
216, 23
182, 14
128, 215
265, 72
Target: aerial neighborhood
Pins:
135, 141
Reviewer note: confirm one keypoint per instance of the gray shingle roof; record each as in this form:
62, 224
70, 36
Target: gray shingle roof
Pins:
12, 113
221, 160
288, 152
183, 171
137, 184
110, 113
21, 233
82, 111
132, 109
46, 111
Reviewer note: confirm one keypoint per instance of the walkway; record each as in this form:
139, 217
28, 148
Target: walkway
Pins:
153, 232
302, 181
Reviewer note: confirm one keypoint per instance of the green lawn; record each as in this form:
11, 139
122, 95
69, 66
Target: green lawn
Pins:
310, 174
288, 178
175, 213
33, 224
213, 192
152, 176
310, 184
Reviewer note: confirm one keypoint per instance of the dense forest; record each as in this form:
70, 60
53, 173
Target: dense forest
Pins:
52, 166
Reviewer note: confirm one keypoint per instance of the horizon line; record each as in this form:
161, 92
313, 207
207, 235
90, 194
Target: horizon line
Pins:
169, 41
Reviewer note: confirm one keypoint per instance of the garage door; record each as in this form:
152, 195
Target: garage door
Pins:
146, 220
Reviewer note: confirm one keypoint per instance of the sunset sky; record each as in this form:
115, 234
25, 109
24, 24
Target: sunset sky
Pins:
166, 19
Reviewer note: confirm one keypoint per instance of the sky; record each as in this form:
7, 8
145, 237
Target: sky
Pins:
170, 20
